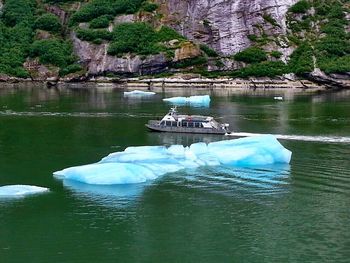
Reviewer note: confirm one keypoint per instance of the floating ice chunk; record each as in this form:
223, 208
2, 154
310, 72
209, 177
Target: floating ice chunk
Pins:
141, 164
192, 100
108, 173
138, 93
20, 190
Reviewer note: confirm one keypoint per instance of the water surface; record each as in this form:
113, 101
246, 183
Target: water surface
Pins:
294, 213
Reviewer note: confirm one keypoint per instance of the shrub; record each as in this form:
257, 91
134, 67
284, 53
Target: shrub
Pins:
276, 54
138, 38
70, 69
18, 11
335, 65
15, 36
336, 11
97, 8
149, 7
268, 18
52, 51
210, 52
101, 22
252, 38
190, 62
301, 61
300, 7
334, 46
48, 22
93, 35
166, 34
263, 69
251, 55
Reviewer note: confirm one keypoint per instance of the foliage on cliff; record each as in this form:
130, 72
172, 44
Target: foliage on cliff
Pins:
19, 22
317, 31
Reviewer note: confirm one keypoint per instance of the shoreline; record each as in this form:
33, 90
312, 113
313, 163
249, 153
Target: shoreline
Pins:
184, 82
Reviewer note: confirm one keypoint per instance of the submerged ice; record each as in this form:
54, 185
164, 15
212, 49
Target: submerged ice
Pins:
138, 93
20, 190
144, 163
192, 100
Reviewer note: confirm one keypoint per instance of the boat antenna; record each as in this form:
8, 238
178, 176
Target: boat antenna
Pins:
173, 109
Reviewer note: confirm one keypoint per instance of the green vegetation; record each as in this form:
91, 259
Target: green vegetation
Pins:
17, 25
251, 55
137, 38
268, 18
301, 61
263, 69
300, 7
208, 51
94, 35
149, 7
48, 22
190, 62
52, 51
97, 8
319, 38
276, 54
166, 34
141, 39
101, 22
252, 38
15, 36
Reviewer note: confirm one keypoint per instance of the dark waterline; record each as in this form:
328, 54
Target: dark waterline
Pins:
294, 213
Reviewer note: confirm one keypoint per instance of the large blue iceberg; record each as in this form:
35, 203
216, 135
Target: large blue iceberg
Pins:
20, 190
144, 163
192, 100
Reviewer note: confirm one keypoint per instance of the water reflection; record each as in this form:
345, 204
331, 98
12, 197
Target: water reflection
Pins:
107, 195
167, 139
223, 180
233, 181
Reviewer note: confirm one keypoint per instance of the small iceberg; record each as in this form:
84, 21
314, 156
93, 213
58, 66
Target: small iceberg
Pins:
145, 163
138, 93
199, 101
9, 191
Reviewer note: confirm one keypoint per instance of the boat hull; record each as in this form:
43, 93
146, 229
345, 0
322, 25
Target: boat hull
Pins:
159, 128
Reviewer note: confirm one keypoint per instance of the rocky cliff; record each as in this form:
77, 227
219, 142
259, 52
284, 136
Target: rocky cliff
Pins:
225, 24
79, 39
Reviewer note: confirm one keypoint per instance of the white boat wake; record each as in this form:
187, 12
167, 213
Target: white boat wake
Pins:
329, 139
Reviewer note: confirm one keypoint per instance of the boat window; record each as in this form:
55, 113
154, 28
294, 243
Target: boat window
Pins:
201, 125
184, 124
174, 123
162, 123
190, 124
168, 123
197, 124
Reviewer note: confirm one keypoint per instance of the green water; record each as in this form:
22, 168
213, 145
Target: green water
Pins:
298, 213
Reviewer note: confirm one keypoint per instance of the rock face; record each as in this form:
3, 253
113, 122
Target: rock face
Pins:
41, 72
187, 50
225, 24
97, 61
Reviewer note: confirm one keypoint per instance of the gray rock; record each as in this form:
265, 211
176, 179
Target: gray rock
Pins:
62, 15
97, 61
41, 72
225, 24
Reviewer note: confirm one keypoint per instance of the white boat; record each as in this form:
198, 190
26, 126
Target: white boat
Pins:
174, 122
